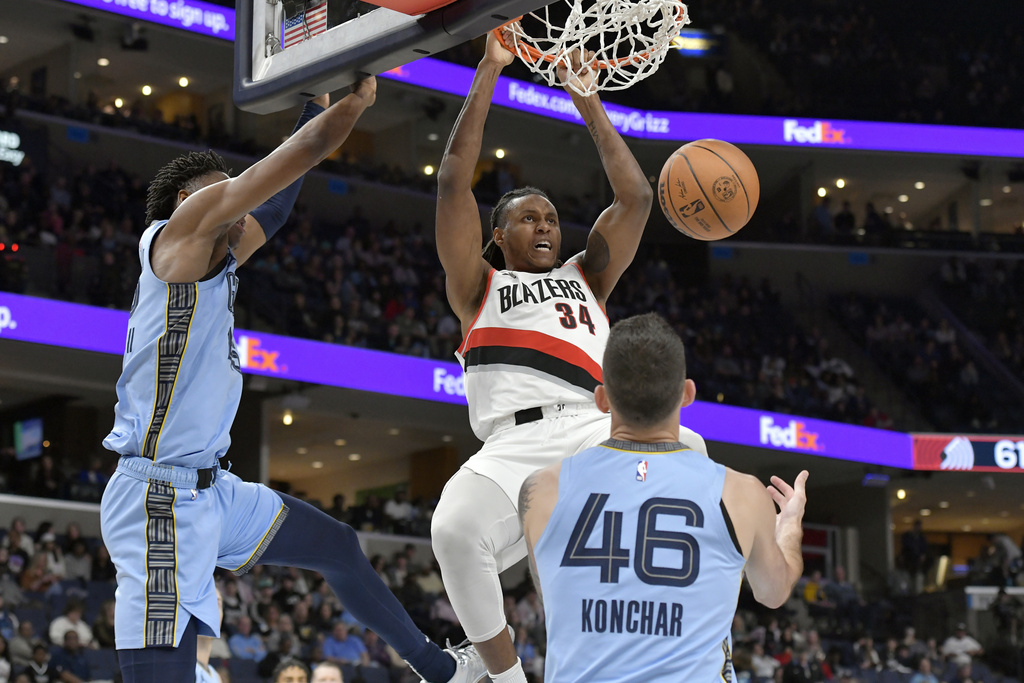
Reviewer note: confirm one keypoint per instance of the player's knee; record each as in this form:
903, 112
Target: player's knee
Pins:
346, 535
452, 542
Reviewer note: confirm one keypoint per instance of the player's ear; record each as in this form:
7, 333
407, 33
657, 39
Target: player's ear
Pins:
498, 236
601, 399
689, 393
182, 196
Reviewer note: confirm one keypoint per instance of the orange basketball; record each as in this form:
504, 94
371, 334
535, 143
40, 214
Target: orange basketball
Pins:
708, 189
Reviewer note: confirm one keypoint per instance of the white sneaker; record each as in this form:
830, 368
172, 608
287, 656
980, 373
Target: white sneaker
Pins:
469, 667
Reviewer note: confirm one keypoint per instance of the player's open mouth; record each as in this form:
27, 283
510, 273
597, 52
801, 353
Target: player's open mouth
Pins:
543, 246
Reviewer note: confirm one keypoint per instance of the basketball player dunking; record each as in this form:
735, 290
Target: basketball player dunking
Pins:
639, 545
169, 514
534, 331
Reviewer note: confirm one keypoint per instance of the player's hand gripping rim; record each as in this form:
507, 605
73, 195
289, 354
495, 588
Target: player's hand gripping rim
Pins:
366, 89
577, 71
790, 499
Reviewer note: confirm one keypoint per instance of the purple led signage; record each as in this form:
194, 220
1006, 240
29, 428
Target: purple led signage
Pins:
191, 15
754, 130
797, 434
98, 329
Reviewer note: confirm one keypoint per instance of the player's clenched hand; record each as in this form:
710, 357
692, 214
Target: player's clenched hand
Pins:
790, 499
577, 71
496, 52
366, 88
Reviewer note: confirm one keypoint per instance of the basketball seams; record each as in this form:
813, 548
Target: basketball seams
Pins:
701, 188
675, 213
739, 178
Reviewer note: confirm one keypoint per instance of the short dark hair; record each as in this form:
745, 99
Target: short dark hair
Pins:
180, 174
499, 214
285, 664
644, 369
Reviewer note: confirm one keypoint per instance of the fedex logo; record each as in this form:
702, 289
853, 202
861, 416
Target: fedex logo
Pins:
451, 384
818, 133
252, 357
792, 435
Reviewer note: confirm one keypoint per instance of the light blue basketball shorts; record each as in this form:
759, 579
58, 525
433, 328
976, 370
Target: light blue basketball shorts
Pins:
165, 539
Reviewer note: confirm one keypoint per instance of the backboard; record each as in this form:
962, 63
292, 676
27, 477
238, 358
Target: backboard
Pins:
287, 51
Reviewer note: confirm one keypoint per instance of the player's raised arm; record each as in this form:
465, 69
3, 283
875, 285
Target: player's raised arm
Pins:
194, 239
770, 542
616, 235
458, 225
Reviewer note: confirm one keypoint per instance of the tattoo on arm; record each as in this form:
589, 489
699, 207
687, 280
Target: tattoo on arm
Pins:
525, 496
592, 127
598, 254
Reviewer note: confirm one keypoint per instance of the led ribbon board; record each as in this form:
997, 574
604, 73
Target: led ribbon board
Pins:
196, 16
753, 130
58, 323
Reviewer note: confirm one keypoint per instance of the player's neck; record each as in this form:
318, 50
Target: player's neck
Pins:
666, 431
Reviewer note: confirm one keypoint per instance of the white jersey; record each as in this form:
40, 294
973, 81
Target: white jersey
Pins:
537, 340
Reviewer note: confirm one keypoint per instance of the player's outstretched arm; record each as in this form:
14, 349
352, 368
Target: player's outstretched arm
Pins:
458, 229
616, 235
537, 498
770, 542
191, 244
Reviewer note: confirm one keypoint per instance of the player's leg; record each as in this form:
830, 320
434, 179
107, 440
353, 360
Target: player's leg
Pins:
476, 534
267, 527
158, 664
150, 529
311, 539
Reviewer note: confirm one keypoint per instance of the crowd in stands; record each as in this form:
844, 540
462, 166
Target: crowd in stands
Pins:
925, 356
881, 61
56, 605
56, 617
987, 297
744, 348
381, 287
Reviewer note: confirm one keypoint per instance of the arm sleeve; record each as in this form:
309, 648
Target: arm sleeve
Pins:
273, 213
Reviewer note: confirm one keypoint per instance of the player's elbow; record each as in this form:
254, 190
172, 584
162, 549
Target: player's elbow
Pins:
772, 598
638, 194
771, 593
452, 177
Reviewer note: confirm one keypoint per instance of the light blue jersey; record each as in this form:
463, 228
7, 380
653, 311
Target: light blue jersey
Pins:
639, 568
180, 381
167, 530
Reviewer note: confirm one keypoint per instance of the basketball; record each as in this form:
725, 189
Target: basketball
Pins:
708, 189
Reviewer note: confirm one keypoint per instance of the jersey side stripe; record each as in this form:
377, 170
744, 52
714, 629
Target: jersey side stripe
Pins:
181, 307
546, 345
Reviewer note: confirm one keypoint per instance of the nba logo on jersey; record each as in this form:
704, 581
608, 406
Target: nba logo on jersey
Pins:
641, 470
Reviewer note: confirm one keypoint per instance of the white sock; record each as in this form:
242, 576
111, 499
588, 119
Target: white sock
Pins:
513, 675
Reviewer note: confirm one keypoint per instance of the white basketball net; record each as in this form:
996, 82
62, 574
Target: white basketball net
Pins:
629, 38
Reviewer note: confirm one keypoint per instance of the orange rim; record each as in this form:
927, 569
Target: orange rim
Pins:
529, 52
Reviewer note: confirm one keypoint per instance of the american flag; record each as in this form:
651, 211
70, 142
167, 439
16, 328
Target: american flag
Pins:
306, 24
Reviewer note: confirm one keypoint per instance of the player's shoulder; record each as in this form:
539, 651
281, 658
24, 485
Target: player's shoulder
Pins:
747, 487
544, 478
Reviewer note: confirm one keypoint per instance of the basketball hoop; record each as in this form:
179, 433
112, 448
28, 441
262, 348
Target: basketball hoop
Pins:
629, 39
